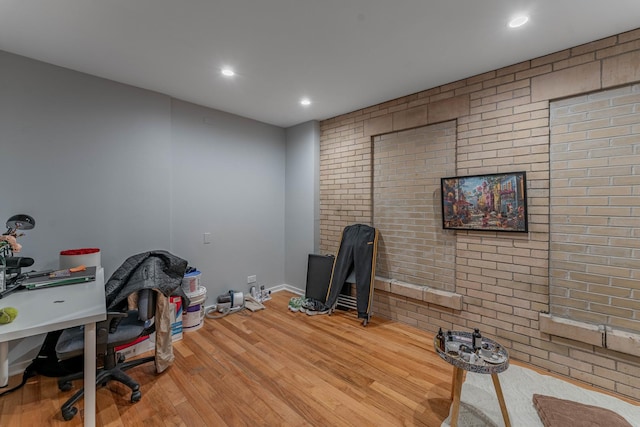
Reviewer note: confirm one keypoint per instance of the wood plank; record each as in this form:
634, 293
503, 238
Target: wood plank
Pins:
269, 368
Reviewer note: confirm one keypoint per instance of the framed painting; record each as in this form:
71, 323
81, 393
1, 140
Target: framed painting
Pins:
494, 202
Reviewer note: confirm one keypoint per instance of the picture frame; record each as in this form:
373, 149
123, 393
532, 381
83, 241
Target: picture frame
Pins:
492, 202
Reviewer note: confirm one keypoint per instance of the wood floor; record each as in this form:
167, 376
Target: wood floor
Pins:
270, 368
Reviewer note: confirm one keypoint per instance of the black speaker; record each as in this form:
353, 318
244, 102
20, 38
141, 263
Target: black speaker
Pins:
318, 276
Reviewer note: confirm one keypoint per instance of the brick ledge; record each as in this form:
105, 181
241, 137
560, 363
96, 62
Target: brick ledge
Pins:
597, 335
420, 293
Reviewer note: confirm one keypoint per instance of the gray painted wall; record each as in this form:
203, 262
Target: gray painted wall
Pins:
302, 210
101, 164
228, 180
88, 158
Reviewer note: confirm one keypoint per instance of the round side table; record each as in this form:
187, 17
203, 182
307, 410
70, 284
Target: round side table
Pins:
493, 359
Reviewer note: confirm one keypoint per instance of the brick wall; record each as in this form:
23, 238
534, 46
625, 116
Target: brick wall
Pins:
502, 125
595, 215
407, 167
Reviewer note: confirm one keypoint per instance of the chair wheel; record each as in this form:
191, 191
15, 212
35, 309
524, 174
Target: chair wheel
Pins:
65, 386
136, 396
67, 414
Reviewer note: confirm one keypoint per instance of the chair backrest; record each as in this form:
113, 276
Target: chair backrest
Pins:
146, 304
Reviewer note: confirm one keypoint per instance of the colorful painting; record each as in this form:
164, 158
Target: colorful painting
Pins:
496, 202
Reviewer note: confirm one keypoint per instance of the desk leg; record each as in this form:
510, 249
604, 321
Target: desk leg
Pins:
503, 406
90, 375
4, 363
456, 389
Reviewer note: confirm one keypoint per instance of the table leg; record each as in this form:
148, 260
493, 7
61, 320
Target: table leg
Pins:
4, 363
503, 406
453, 382
90, 375
456, 389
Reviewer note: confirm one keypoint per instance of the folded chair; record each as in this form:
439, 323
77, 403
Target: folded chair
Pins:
118, 329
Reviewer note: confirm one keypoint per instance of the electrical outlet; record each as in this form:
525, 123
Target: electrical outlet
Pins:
251, 279
206, 238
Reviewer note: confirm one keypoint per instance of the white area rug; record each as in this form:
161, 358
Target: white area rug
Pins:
479, 403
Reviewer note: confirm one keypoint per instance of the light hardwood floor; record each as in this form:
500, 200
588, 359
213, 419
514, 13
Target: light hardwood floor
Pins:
270, 368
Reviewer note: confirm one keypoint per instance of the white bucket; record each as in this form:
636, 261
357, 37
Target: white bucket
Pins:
193, 316
191, 283
75, 257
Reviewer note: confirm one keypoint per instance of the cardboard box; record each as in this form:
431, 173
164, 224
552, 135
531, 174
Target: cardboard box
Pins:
176, 317
148, 342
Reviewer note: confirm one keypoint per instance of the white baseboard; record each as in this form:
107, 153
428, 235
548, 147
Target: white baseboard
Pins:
285, 287
273, 290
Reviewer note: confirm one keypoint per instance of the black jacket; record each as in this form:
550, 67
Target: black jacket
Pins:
155, 270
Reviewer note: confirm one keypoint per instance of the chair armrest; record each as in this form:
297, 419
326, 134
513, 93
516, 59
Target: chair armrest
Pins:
105, 327
116, 315
113, 320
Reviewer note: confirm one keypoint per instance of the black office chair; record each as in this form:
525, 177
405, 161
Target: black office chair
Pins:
118, 329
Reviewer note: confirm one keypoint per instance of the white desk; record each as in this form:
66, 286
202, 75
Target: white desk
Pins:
50, 309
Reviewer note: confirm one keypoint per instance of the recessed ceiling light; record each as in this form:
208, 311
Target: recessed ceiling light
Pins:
518, 21
228, 72
305, 101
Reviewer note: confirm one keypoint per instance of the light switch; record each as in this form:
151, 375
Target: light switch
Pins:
206, 238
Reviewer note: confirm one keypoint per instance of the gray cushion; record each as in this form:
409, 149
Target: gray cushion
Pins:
71, 341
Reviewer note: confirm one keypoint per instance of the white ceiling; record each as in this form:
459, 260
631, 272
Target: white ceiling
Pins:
342, 54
